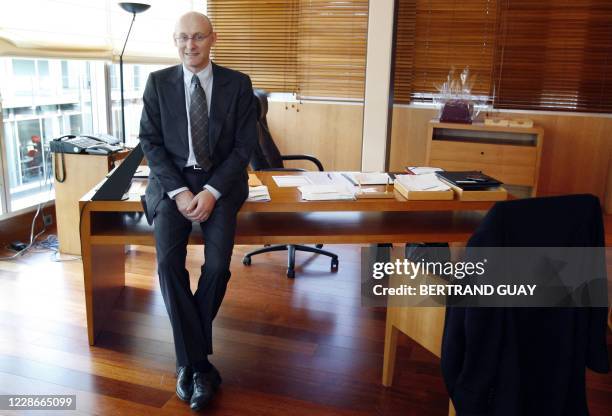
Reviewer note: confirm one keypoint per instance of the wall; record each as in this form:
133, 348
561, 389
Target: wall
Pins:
17, 228
576, 155
329, 131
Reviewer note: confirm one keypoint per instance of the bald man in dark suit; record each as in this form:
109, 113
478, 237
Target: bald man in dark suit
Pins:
197, 132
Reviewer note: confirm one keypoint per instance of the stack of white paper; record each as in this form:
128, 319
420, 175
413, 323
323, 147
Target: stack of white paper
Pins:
338, 179
319, 178
368, 178
421, 170
258, 193
288, 181
423, 182
325, 192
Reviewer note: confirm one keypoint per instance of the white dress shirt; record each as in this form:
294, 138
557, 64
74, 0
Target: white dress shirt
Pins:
206, 81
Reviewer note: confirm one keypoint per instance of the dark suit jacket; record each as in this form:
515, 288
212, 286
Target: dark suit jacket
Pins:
164, 138
528, 361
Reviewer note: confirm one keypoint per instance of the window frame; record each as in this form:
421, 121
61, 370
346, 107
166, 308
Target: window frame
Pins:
4, 190
95, 110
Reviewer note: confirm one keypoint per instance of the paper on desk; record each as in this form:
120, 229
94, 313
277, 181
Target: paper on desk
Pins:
422, 182
288, 181
368, 178
319, 178
258, 193
421, 170
325, 192
142, 171
337, 179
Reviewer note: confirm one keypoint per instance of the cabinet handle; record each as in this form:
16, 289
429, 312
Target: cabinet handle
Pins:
482, 153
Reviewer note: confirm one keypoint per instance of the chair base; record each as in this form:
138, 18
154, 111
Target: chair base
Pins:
291, 249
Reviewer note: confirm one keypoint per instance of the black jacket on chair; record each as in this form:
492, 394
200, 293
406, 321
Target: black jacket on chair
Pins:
527, 361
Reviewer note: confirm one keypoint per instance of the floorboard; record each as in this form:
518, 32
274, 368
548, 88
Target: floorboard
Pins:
302, 347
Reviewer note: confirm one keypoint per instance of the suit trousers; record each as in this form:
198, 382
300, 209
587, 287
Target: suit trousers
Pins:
191, 314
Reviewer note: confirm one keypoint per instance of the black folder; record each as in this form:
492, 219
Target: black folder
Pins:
469, 180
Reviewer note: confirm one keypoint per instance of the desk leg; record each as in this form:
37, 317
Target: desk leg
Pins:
390, 348
451, 409
104, 274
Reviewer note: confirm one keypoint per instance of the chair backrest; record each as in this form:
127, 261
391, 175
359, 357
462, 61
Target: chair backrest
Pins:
559, 221
532, 358
266, 155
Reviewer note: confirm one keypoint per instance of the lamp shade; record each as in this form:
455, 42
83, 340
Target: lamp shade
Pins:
134, 7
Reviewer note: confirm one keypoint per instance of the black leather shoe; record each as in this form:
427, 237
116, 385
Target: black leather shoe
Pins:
184, 383
204, 387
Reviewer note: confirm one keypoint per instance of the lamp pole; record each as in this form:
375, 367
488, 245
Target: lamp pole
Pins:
131, 8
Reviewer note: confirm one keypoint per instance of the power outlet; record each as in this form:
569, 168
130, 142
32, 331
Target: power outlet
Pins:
48, 219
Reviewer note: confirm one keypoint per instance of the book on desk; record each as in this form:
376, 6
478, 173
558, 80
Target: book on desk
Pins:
474, 186
422, 187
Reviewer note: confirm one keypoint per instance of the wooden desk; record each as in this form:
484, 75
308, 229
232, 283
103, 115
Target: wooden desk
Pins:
106, 228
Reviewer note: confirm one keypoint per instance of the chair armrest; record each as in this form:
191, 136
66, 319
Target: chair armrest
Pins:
304, 157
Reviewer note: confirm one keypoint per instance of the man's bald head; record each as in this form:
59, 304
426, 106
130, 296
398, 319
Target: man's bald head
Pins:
193, 20
193, 37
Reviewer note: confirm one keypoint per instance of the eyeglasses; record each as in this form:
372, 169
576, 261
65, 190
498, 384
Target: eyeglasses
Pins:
197, 38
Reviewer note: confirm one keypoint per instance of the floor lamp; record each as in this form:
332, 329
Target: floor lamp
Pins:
131, 8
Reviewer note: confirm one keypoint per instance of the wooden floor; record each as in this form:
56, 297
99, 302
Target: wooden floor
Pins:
299, 347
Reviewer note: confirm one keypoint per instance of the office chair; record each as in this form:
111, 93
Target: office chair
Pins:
267, 157
528, 361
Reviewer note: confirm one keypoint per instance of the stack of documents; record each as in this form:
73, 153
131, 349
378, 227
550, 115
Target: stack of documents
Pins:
425, 186
326, 192
367, 178
424, 182
288, 181
258, 193
420, 170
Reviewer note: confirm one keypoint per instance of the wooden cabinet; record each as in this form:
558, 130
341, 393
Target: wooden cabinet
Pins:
510, 154
82, 172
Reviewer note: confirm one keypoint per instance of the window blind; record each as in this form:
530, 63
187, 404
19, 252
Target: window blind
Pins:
314, 48
331, 49
555, 55
443, 34
404, 47
258, 38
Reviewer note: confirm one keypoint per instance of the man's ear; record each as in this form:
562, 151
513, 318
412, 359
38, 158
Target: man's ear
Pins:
214, 39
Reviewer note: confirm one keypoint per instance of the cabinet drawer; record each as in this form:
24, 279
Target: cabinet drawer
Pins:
512, 164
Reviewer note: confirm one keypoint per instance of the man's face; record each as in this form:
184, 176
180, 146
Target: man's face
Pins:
193, 38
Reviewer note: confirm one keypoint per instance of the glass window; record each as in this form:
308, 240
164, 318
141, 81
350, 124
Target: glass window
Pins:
45, 82
30, 150
65, 75
43, 68
114, 78
24, 75
24, 68
74, 124
134, 81
55, 100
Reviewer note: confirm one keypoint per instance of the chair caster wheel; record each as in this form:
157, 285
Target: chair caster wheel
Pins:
246, 260
334, 265
290, 273
319, 245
